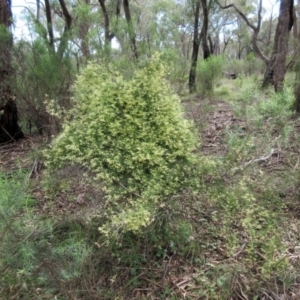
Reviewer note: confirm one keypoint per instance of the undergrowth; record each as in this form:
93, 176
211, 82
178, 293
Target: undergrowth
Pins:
233, 235
36, 254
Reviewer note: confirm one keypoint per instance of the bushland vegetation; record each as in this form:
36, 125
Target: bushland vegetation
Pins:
145, 171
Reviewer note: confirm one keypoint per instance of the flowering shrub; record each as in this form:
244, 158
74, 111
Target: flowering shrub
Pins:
132, 134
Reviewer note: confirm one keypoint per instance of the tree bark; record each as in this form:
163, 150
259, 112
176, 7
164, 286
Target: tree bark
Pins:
107, 34
130, 28
196, 44
38, 10
206, 51
276, 68
49, 24
65, 36
83, 32
284, 26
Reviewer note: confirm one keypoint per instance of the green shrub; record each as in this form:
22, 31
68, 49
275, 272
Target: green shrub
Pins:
274, 109
223, 91
179, 65
208, 72
133, 136
279, 105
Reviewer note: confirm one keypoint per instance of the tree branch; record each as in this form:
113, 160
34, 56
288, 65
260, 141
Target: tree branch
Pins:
240, 13
66, 13
255, 29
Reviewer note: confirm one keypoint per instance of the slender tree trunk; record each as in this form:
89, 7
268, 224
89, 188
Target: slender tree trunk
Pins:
83, 35
107, 35
206, 52
118, 8
130, 28
67, 16
49, 24
196, 44
268, 43
225, 44
38, 10
211, 44
65, 36
216, 45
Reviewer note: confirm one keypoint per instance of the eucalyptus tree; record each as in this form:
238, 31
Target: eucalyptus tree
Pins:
281, 42
242, 36
107, 34
206, 6
254, 24
131, 31
196, 44
200, 36
83, 25
220, 29
276, 64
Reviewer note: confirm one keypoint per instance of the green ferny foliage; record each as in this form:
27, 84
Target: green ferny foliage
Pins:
133, 135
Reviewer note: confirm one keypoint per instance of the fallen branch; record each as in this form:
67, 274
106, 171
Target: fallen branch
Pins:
261, 159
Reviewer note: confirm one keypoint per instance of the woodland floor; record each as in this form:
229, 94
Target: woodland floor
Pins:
79, 195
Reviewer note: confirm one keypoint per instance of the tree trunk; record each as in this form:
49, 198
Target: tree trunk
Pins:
49, 24
107, 34
196, 44
206, 52
211, 44
84, 27
65, 36
284, 26
9, 128
130, 28
268, 75
276, 67
38, 10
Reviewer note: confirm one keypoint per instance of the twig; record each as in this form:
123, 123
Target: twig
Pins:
235, 255
183, 282
34, 169
7, 133
269, 289
274, 296
153, 282
261, 159
241, 291
166, 269
266, 294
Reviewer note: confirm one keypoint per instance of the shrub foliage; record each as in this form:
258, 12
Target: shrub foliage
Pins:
132, 134
208, 72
